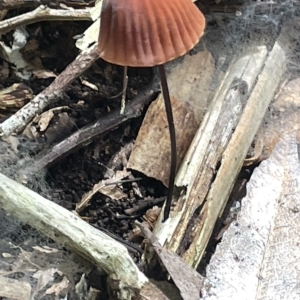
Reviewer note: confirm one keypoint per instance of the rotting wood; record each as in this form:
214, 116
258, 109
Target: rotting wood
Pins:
125, 280
199, 204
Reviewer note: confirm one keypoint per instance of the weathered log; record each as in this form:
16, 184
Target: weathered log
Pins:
124, 278
217, 152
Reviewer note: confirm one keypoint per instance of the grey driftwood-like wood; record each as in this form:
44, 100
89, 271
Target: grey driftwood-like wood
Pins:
223, 138
258, 257
124, 278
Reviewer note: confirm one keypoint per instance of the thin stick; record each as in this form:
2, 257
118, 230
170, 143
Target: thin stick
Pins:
170, 119
44, 13
125, 82
86, 134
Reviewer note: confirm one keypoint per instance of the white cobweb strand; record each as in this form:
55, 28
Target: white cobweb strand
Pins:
259, 256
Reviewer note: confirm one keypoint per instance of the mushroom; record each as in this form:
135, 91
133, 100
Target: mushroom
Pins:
145, 33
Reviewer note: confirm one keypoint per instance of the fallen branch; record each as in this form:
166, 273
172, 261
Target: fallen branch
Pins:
86, 134
44, 13
11, 4
124, 280
20, 119
143, 205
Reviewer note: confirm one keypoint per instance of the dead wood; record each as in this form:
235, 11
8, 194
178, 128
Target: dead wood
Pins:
44, 13
20, 119
88, 133
143, 205
223, 138
124, 280
11, 4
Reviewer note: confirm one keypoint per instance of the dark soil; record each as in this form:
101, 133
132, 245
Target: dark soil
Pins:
76, 174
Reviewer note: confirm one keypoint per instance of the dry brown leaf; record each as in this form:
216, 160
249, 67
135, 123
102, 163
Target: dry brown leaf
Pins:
44, 277
58, 288
15, 96
45, 119
45, 249
151, 152
189, 284
189, 87
105, 187
43, 74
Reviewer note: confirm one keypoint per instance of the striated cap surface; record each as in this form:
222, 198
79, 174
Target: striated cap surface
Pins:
141, 33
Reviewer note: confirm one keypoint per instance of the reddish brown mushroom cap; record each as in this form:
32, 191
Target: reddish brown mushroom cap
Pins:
140, 33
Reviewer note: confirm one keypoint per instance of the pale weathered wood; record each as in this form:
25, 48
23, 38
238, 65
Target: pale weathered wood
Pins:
209, 148
44, 13
206, 150
125, 280
258, 257
237, 148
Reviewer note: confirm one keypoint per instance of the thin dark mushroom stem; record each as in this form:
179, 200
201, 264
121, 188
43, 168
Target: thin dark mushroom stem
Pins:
169, 113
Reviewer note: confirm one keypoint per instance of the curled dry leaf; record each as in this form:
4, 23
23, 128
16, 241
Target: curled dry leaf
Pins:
40, 124
59, 288
15, 97
188, 80
152, 214
151, 152
105, 187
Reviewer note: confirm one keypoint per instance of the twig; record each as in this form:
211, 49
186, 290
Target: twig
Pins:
130, 247
44, 13
144, 204
124, 181
88, 133
20, 119
10, 4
